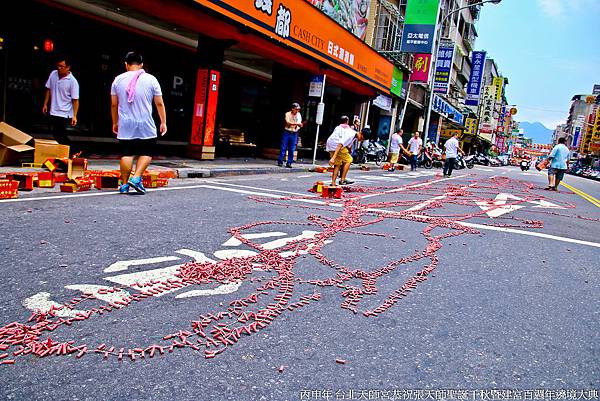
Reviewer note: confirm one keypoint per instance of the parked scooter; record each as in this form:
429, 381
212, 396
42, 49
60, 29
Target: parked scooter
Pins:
525, 164
370, 151
461, 162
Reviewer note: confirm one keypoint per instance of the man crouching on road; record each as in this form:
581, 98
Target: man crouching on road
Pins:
132, 94
338, 146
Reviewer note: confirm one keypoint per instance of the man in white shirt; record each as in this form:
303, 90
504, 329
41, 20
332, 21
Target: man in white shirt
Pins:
338, 145
289, 138
396, 146
452, 151
132, 94
62, 92
415, 145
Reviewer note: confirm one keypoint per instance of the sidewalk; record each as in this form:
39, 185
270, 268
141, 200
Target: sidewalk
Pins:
191, 168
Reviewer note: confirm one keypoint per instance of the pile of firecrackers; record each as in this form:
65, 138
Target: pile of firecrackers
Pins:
72, 175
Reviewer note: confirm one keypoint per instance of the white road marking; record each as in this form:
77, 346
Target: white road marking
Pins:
130, 279
236, 242
124, 264
421, 205
198, 256
233, 253
284, 241
220, 290
93, 289
498, 206
42, 302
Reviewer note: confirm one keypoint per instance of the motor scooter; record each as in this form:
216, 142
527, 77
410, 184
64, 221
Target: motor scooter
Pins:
525, 164
370, 151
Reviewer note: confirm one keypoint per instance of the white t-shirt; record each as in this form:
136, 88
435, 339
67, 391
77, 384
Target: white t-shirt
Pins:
62, 93
135, 118
395, 143
343, 134
414, 145
297, 118
451, 146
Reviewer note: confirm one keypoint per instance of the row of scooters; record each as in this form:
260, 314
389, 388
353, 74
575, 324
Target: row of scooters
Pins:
373, 151
585, 171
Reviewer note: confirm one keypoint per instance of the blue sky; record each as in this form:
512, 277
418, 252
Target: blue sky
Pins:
548, 49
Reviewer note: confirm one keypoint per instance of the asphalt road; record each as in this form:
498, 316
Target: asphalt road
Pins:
510, 300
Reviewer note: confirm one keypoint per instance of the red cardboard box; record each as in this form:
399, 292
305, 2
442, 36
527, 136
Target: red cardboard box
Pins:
106, 182
9, 189
77, 185
25, 181
45, 180
331, 192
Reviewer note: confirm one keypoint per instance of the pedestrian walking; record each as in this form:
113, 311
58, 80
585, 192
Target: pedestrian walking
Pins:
289, 138
62, 93
396, 146
559, 162
452, 150
415, 145
338, 145
132, 94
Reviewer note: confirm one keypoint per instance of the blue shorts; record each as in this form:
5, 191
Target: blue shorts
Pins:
559, 173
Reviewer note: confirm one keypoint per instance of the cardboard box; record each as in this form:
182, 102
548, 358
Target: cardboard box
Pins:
49, 149
107, 182
331, 192
13, 144
77, 168
9, 189
77, 185
25, 181
59, 178
45, 180
57, 165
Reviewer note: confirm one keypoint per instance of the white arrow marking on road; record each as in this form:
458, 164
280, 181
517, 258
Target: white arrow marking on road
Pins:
278, 243
198, 256
93, 289
41, 301
235, 242
146, 276
498, 206
124, 264
233, 253
220, 290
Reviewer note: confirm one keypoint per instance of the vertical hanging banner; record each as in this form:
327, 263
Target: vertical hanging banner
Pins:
498, 82
421, 68
470, 126
443, 67
397, 79
474, 87
419, 26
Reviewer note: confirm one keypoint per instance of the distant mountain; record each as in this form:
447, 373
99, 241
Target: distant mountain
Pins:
536, 131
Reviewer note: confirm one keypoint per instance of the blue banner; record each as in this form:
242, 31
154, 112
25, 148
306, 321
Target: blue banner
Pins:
443, 66
447, 110
474, 87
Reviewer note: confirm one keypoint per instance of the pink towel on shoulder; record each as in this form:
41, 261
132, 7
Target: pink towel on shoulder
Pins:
131, 86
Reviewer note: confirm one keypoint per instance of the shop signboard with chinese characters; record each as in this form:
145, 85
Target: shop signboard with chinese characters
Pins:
397, 81
444, 108
596, 128
470, 126
419, 26
474, 86
498, 83
420, 71
488, 122
301, 26
443, 67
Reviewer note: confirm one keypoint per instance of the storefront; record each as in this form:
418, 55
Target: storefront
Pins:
221, 64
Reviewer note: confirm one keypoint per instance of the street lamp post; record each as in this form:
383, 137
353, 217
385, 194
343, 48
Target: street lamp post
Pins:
434, 60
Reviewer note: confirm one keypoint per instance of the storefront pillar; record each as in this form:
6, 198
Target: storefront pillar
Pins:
210, 55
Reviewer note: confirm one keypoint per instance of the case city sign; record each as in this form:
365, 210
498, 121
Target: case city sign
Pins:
301, 26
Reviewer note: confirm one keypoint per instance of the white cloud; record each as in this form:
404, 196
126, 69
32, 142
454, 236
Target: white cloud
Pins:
552, 8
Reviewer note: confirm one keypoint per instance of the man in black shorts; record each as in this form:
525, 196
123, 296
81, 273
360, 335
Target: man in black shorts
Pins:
132, 94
